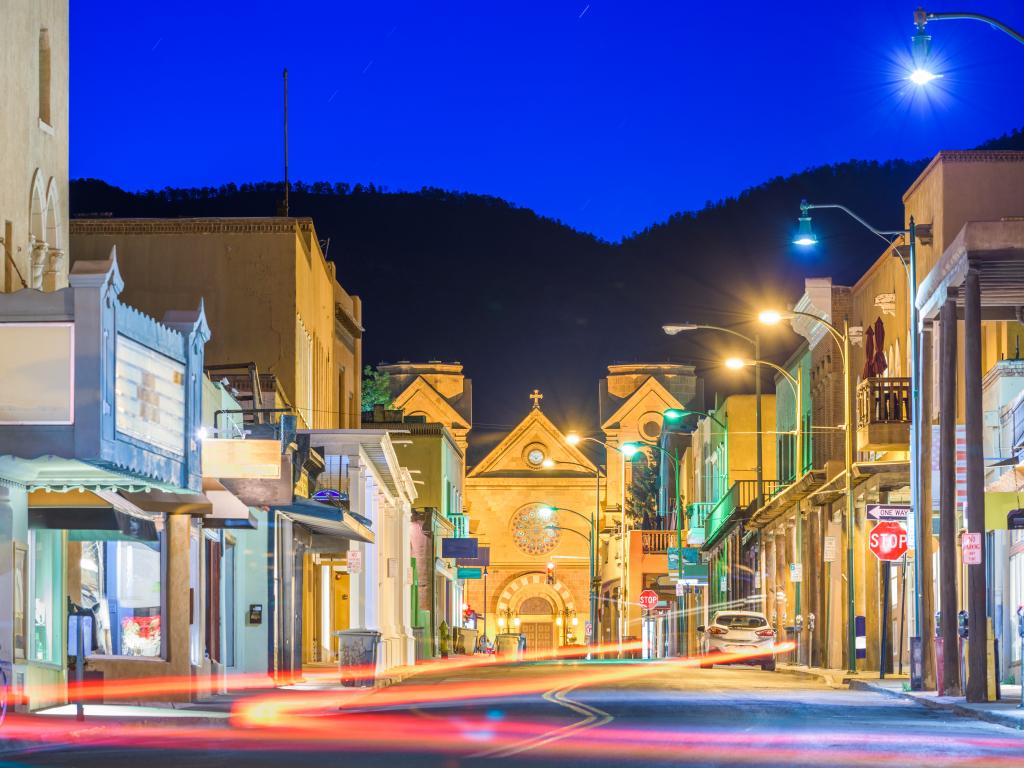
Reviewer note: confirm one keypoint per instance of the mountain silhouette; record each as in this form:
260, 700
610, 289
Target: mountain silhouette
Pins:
524, 301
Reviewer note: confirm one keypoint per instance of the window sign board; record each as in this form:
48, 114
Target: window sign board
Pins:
38, 381
355, 561
149, 396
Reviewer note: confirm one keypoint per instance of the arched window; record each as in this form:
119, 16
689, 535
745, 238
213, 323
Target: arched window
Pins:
44, 76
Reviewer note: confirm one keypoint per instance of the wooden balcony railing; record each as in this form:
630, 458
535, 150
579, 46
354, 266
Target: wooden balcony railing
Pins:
883, 400
883, 414
655, 542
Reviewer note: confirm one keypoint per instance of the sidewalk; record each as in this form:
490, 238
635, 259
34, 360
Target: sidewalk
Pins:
1004, 712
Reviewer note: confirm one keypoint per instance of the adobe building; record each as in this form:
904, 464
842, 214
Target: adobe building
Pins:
34, 135
269, 292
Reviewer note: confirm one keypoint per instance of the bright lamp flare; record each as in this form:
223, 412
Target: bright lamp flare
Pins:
673, 414
548, 463
546, 512
629, 450
735, 363
572, 438
770, 317
922, 76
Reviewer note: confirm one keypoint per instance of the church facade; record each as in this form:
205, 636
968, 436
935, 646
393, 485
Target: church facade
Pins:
531, 500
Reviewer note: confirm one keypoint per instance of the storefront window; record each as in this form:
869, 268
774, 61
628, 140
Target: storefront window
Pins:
46, 598
123, 579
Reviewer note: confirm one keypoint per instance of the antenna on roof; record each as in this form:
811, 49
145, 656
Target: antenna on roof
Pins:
286, 186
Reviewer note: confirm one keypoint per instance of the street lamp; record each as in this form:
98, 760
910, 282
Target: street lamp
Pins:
922, 74
890, 237
755, 342
842, 338
628, 451
590, 539
736, 363
551, 464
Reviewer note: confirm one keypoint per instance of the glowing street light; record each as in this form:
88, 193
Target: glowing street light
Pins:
805, 234
922, 73
629, 450
736, 363
770, 317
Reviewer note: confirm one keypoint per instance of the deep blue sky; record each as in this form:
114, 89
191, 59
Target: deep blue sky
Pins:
607, 115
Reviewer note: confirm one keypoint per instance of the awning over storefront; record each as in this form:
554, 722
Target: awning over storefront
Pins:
228, 510
326, 520
93, 511
171, 503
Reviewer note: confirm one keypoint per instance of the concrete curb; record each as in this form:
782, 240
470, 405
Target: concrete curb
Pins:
997, 718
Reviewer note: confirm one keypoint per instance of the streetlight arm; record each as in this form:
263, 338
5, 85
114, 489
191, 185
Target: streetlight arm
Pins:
688, 411
973, 16
573, 512
571, 530
836, 333
882, 233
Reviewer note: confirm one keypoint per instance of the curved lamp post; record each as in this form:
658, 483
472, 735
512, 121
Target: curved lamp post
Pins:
551, 464
773, 317
911, 235
628, 451
922, 73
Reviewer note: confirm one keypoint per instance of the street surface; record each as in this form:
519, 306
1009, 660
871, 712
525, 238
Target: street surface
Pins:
564, 714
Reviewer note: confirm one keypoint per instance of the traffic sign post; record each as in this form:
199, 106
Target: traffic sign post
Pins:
648, 599
971, 547
888, 541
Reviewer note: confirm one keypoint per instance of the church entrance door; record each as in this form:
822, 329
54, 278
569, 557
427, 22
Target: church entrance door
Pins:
538, 636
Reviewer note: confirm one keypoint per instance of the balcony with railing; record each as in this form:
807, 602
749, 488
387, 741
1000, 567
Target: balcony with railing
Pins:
737, 500
883, 414
657, 542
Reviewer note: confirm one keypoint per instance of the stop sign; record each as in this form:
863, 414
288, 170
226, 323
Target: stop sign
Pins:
888, 540
649, 599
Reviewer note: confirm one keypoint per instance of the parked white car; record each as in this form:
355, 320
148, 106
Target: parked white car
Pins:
740, 632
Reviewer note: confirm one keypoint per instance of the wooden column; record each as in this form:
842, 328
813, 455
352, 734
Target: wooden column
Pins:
922, 454
947, 497
977, 683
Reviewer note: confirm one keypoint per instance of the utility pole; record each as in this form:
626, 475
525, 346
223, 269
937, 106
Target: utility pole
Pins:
286, 186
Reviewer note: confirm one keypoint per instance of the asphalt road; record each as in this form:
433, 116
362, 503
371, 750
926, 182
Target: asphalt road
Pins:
569, 714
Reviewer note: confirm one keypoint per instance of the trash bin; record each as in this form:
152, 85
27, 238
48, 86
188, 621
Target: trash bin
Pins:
357, 656
507, 644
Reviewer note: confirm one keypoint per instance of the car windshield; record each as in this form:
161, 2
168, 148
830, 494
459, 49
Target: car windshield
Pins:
739, 621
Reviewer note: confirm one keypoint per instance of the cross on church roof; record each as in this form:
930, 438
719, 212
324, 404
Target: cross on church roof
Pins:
536, 397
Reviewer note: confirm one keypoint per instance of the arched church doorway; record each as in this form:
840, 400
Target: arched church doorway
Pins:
537, 623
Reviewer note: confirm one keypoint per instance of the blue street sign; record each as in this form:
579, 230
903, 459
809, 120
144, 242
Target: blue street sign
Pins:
691, 556
460, 547
469, 573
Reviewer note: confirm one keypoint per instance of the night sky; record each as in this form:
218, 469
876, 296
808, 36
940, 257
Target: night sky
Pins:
607, 116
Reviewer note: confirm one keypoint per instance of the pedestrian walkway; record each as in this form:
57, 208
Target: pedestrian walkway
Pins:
1006, 711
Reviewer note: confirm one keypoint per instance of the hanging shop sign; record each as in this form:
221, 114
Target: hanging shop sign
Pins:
247, 459
482, 559
460, 547
691, 556
469, 573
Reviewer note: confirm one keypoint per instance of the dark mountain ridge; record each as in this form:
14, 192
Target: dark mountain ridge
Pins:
525, 301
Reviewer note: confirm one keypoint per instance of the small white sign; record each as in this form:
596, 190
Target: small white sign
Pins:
680, 587
723, 584
830, 552
355, 561
796, 572
971, 545
588, 629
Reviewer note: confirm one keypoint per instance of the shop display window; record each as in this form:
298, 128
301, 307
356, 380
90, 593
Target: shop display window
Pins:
46, 596
123, 579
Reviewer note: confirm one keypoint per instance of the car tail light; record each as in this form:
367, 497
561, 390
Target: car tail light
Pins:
765, 633
717, 631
